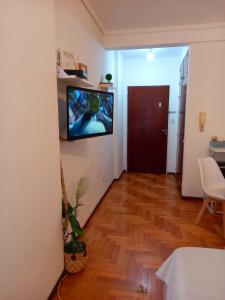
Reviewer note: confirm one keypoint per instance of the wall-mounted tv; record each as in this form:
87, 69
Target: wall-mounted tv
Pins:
89, 113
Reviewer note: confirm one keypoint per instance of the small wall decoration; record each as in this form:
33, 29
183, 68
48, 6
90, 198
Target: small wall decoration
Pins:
202, 121
65, 59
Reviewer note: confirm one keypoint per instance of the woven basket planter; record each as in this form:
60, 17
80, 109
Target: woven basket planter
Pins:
75, 262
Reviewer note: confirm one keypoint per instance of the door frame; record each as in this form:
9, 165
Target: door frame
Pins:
179, 176
125, 98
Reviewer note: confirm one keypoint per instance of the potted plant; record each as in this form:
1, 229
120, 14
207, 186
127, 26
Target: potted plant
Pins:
108, 77
75, 250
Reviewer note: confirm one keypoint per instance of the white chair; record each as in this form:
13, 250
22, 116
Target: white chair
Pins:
213, 184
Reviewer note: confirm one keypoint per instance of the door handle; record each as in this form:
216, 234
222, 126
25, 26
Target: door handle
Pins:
164, 130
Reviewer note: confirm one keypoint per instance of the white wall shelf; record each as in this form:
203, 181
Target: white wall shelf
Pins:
73, 79
105, 86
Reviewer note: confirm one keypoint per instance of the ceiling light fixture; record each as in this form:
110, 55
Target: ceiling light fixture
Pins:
150, 55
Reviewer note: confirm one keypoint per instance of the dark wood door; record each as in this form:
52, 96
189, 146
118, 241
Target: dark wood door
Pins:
147, 128
181, 117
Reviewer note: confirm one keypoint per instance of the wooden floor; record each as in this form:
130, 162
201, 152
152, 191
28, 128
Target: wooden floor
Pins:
141, 220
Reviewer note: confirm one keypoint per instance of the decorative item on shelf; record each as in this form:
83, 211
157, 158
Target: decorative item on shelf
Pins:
72, 79
106, 85
80, 71
214, 138
82, 67
108, 77
75, 250
65, 59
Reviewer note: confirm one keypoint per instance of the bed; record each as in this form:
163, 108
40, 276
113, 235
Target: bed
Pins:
191, 273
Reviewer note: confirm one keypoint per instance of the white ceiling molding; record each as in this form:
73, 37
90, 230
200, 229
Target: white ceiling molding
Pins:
93, 15
165, 29
180, 35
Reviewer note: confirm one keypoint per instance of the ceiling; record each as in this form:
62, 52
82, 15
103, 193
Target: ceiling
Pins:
158, 52
117, 15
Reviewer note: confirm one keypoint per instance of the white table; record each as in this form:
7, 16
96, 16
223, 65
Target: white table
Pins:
219, 155
215, 150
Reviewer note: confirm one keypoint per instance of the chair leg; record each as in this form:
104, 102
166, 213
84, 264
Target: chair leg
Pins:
204, 206
214, 207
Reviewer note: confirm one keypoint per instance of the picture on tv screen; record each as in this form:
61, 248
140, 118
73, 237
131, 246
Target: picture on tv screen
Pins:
89, 113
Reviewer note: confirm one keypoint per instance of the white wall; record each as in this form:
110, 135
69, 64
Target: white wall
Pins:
160, 71
77, 32
206, 93
31, 255
120, 112
118, 116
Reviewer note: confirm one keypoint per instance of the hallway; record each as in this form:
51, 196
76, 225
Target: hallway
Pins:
140, 221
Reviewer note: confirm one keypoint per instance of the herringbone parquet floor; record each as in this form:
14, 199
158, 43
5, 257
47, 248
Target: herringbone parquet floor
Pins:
140, 221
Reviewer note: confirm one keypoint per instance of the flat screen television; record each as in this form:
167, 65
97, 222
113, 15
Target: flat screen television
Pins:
89, 113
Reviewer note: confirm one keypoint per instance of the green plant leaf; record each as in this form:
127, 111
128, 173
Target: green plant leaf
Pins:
81, 188
76, 228
74, 247
80, 191
70, 208
71, 214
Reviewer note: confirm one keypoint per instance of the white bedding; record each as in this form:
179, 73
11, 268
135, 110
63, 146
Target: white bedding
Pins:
194, 274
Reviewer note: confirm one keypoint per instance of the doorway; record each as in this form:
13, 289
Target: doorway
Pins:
147, 128
163, 69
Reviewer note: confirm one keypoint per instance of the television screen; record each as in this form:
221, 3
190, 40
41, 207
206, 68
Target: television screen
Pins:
89, 113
